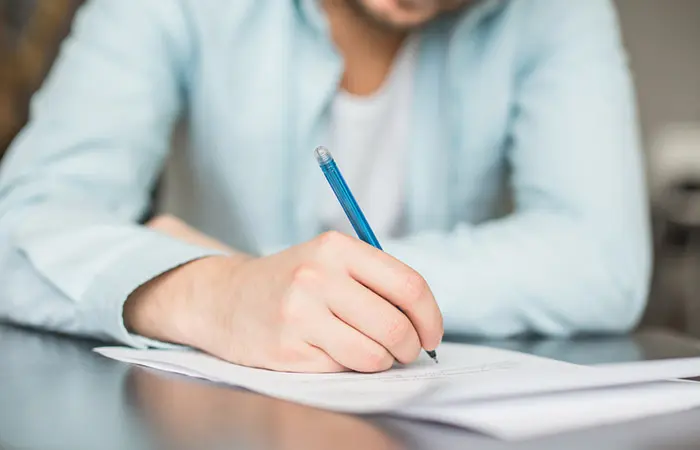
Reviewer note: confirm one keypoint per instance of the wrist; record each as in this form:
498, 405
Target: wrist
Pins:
172, 306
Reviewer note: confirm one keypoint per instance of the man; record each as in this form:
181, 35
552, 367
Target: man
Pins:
428, 106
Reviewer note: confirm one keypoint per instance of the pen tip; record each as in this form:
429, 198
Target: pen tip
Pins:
323, 155
433, 355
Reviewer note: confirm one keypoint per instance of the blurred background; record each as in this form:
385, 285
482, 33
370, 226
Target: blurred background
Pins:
662, 39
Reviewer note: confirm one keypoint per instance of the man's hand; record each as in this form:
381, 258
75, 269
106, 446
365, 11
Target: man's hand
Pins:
331, 304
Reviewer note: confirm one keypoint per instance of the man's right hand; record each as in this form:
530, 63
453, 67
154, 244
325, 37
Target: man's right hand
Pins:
332, 304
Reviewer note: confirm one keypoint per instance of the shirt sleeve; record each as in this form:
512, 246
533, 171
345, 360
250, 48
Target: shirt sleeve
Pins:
575, 255
78, 178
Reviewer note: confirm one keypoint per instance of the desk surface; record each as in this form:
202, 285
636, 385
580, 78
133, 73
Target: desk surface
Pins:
56, 394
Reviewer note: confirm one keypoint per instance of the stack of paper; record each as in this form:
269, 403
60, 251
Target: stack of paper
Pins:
505, 394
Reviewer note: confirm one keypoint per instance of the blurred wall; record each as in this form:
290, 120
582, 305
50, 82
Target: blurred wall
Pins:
663, 40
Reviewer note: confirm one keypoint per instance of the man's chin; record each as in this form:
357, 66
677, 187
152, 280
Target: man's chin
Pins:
394, 17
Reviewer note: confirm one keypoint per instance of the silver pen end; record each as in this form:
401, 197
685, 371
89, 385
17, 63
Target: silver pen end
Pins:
323, 155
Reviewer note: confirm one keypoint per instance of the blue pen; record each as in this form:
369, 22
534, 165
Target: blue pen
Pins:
349, 204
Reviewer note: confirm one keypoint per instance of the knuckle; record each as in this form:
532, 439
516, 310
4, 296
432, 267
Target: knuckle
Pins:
305, 275
378, 360
414, 288
330, 238
398, 330
330, 242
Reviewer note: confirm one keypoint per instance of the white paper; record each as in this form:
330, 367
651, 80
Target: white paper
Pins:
346, 392
543, 380
537, 416
499, 392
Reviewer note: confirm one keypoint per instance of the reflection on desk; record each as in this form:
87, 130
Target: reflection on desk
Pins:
56, 394
201, 415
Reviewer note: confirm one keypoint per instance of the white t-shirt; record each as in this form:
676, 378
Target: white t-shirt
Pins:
368, 139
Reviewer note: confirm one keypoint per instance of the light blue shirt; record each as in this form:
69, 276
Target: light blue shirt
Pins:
530, 94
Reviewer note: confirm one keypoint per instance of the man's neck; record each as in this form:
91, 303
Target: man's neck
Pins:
369, 51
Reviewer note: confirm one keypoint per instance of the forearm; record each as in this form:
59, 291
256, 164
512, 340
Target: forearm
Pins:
575, 256
540, 273
71, 269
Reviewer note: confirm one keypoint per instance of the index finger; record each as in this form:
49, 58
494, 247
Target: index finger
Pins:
399, 284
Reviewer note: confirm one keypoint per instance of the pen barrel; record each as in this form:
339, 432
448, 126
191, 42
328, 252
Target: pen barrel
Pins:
348, 203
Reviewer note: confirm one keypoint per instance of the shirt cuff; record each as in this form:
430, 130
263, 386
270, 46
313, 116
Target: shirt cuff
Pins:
110, 289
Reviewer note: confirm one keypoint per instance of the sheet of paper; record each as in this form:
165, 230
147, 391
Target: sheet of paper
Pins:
347, 392
541, 415
499, 392
541, 380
